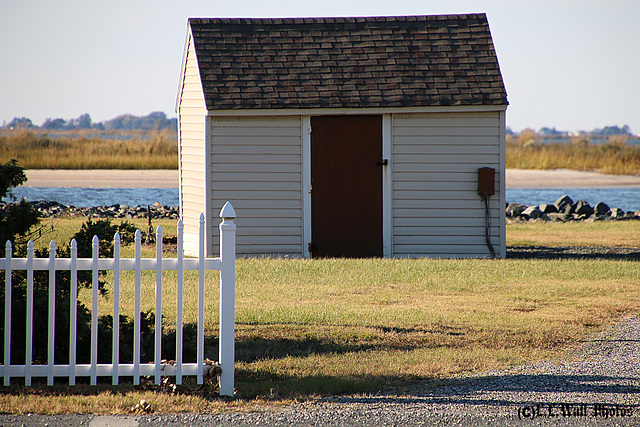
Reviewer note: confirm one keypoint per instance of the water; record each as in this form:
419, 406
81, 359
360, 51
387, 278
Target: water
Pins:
625, 198
83, 197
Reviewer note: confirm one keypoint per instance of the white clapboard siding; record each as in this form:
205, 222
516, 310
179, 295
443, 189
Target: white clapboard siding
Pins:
436, 210
191, 114
452, 159
256, 195
256, 163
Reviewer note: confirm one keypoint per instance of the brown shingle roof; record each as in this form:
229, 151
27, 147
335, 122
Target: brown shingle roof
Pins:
403, 61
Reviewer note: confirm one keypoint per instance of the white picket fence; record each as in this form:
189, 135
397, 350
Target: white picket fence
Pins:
225, 264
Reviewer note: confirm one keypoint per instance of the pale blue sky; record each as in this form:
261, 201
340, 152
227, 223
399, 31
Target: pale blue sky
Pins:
569, 64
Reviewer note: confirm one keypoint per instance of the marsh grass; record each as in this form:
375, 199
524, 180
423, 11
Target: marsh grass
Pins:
308, 328
38, 150
614, 157
106, 150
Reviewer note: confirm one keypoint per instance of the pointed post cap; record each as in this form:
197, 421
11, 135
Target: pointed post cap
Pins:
227, 212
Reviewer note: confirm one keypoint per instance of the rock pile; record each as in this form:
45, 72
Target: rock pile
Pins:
50, 209
564, 209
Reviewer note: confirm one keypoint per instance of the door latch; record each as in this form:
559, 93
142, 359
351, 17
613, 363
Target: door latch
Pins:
384, 162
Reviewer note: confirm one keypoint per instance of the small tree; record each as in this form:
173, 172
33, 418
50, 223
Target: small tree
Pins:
16, 219
20, 123
17, 223
54, 124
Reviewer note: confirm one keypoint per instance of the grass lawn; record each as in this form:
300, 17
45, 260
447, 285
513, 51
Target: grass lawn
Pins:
320, 327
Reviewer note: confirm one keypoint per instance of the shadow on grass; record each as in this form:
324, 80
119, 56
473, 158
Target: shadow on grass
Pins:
259, 350
263, 384
573, 252
275, 341
517, 389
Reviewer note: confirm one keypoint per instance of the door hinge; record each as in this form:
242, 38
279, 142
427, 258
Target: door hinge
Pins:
312, 248
383, 162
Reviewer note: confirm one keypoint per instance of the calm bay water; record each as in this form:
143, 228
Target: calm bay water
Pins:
625, 198
83, 197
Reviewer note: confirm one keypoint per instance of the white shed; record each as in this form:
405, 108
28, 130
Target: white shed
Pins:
344, 136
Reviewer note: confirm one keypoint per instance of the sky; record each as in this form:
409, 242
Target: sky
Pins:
568, 64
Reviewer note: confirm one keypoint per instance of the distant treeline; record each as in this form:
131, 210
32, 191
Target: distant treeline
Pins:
605, 131
130, 142
154, 122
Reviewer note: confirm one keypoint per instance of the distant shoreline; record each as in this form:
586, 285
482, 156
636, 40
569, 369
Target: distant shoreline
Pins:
565, 178
160, 178
102, 178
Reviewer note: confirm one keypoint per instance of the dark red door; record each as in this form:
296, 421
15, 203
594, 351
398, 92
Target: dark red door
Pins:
346, 180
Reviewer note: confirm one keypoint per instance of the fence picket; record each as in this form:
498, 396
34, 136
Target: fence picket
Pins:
225, 263
73, 312
94, 309
157, 353
179, 302
29, 344
136, 312
52, 312
115, 355
7, 313
200, 345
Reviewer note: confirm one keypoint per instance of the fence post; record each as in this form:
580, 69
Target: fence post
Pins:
226, 351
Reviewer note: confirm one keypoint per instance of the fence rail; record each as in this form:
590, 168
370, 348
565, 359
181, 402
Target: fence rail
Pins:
225, 264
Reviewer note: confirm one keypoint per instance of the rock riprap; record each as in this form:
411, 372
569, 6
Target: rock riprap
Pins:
49, 209
565, 209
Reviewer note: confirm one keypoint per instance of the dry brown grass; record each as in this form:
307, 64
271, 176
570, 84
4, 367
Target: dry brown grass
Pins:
615, 157
108, 400
39, 150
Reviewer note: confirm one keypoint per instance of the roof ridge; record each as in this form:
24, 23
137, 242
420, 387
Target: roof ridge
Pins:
336, 19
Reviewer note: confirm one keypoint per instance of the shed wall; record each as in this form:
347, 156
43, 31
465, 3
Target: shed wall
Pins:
256, 164
193, 150
436, 209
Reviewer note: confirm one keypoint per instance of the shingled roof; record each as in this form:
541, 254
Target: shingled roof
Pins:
301, 63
